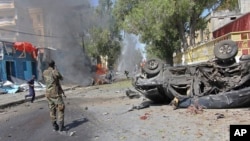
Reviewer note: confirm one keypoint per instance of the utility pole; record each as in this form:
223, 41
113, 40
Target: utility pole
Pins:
83, 46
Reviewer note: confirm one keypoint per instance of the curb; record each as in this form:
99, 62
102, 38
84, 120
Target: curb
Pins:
17, 102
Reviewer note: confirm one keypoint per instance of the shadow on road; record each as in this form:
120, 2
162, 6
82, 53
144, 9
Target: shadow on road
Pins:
75, 123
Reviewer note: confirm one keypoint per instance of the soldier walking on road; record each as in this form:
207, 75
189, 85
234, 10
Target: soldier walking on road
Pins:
54, 94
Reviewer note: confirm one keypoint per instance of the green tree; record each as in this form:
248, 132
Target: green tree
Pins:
149, 20
104, 38
163, 24
229, 4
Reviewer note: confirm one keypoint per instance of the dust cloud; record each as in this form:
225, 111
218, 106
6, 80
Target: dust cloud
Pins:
66, 23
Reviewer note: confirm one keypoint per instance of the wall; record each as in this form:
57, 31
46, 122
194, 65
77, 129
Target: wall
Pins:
244, 6
204, 52
240, 24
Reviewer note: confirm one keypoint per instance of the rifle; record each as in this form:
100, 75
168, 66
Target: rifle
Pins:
63, 94
60, 89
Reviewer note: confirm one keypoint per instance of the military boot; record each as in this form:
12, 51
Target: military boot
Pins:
55, 126
61, 126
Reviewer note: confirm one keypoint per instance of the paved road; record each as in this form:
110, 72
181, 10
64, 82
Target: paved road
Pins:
17, 98
84, 114
97, 114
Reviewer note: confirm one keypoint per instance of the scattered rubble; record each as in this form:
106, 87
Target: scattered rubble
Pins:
132, 94
195, 109
145, 116
218, 115
10, 88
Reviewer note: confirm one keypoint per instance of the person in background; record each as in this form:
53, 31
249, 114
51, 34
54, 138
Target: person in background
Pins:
32, 93
54, 93
126, 73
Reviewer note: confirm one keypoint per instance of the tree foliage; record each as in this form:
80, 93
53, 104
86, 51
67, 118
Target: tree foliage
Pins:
163, 24
229, 4
104, 38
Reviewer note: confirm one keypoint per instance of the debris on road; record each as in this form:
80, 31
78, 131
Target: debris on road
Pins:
195, 109
72, 133
145, 116
143, 105
132, 94
106, 113
10, 88
218, 115
66, 133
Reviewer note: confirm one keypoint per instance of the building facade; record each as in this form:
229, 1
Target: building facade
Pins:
222, 25
8, 20
15, 64
15, 26
218, 19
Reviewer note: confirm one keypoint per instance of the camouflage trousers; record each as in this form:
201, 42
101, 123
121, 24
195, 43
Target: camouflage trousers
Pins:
56, 107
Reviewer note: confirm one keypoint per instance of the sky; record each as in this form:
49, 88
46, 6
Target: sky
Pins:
94, 2
205, 13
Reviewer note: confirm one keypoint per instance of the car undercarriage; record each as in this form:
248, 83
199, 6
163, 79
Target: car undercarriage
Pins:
218, 83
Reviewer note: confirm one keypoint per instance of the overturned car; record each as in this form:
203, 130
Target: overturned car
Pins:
218, 83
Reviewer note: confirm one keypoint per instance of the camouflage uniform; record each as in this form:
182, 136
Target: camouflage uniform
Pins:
54, 97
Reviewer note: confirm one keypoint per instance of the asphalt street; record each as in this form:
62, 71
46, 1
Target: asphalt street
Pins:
99, 113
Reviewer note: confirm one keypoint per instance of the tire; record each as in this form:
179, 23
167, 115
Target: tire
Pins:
225, 50
153, 66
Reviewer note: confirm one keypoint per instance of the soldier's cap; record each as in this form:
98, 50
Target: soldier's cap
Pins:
52, 63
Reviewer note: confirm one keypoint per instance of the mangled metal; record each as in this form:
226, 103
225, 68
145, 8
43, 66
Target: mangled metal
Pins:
217, 83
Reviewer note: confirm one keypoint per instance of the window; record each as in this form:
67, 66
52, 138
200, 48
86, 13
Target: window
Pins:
9, 48
232, 18
243, 36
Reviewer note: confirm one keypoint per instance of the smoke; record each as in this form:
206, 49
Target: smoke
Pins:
67, 23
131, 55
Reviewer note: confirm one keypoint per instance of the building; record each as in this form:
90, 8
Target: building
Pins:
36, 16
218, 19
15, 26
222, 25
16, 62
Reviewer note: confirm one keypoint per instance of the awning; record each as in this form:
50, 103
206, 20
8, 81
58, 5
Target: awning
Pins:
26, 47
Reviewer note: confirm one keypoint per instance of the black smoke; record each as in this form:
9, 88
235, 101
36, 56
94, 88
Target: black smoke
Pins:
66, 24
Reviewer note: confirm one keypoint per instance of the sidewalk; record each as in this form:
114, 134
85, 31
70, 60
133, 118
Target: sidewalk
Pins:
18, 98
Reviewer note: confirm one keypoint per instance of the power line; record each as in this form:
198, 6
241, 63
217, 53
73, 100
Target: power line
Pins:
21, 32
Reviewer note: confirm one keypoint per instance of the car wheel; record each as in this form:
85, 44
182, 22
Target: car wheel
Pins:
152, 66
225, 50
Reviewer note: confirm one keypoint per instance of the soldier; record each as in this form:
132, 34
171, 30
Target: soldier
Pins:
54, 94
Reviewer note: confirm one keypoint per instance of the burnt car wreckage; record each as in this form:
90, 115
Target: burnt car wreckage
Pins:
218, 83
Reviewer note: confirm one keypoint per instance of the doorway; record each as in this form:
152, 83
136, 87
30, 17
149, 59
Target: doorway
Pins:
34, 68
10, 70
